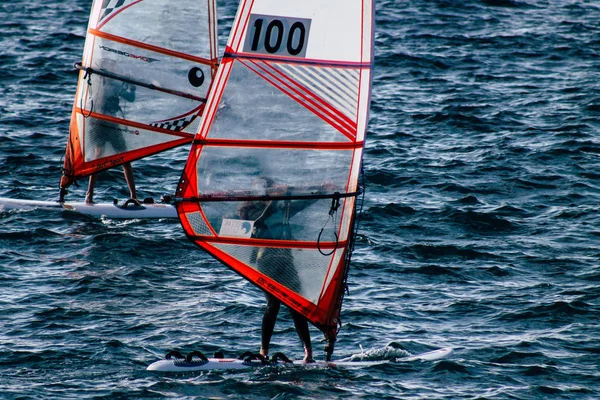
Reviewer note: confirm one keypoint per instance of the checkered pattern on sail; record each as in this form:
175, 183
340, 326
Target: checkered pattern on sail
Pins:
110, 6
176, 125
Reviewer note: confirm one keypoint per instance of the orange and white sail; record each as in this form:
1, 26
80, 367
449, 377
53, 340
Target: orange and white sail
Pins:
271, 183
146, 70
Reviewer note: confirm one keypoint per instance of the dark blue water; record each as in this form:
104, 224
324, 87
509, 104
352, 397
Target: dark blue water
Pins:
480, 229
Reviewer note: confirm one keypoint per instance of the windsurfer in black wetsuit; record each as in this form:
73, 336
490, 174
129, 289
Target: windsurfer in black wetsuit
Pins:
271, 221
106, 99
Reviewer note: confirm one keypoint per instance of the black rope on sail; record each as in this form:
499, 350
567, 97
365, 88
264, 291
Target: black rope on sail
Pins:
90, 71
335, 204
248, 197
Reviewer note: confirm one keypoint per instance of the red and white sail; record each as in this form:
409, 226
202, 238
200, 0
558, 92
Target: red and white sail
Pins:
284, 127
146, 70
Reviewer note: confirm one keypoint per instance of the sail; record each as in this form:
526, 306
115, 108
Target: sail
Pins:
146, 70
271, 182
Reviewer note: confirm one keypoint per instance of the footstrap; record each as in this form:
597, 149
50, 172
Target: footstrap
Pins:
135, 202
198, 354
280, 357
173, 353
248, 357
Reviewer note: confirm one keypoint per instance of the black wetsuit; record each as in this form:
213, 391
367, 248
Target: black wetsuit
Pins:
271, 221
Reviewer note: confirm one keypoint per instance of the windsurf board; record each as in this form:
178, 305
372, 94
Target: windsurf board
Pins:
193, 364
110, 210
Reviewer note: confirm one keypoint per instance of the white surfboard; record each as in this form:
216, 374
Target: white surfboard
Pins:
110, 210
198, 364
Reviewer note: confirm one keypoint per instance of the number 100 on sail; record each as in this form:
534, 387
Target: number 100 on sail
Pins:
268, 34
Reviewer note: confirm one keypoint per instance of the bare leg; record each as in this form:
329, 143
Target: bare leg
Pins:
301, 326
128, 171
268, 322
89, 196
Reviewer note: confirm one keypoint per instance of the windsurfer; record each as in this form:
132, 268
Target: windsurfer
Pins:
271, 221
107, 101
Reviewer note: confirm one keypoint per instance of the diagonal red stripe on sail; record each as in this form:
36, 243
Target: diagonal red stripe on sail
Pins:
337, 114
305, 97
189, 136
156, 49
216, 92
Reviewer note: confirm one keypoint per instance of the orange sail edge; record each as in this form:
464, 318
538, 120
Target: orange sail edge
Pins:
72, 154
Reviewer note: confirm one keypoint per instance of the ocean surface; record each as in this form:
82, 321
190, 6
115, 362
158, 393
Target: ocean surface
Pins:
480, 229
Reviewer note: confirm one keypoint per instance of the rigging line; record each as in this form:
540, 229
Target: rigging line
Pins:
90, 71
220, 197
87, 76
335, 204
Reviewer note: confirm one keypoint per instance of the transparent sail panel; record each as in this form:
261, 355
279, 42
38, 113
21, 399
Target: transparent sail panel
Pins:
104, 139
300, 220
253, 108
300, 270
197, 222
222, 169
123, 100
180, 26
152, 68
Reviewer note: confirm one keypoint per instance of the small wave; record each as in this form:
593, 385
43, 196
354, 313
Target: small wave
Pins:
540, 370
515, 357
470, 200
481, 222
450, 366
431, 270
556, 310
504, 3
439, 251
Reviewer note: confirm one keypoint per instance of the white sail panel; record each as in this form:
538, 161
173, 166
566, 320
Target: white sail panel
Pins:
231, 168
340, 30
